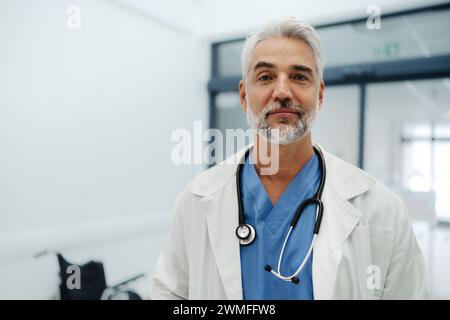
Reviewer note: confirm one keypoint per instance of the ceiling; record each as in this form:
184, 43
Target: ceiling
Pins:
220, 19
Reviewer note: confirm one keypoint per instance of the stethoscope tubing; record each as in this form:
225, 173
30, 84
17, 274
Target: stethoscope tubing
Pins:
316, 199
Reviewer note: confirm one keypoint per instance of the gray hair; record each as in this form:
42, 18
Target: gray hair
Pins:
290, 28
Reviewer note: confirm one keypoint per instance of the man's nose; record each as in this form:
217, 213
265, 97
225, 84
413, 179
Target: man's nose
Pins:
282, 90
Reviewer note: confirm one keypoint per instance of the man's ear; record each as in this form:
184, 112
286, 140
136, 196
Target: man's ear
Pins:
321, 93
242, 95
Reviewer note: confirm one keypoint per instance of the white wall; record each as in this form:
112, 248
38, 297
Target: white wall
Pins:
86, 118
86, 115
337, 125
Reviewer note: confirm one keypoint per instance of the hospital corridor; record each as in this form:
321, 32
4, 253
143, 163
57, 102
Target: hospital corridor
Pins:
117, 117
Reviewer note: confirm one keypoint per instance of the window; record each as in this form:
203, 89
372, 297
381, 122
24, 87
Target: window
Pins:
426, 161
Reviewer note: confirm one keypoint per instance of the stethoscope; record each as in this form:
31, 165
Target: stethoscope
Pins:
246, 233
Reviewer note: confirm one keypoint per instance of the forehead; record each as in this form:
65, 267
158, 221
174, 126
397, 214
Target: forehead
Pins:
283, 51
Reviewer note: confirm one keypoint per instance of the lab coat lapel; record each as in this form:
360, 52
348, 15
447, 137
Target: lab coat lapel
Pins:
222, 219
340, 217
220, 208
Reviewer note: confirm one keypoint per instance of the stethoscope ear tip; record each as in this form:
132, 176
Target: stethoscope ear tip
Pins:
268, 268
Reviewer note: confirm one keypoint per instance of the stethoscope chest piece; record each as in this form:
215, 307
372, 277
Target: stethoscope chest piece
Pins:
246, 234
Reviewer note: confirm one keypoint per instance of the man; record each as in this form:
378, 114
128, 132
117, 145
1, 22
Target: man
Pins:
365, 249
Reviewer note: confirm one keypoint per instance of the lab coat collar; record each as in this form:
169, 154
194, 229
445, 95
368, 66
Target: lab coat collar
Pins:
217, 187
347, 180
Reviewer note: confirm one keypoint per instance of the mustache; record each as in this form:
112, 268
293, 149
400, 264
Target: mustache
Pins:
273, 106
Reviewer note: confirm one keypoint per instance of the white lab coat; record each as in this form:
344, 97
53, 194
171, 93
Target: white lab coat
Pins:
366, 248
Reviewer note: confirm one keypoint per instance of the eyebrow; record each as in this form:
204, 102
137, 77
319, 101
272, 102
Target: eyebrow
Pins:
263, 64
296, 67
299, 67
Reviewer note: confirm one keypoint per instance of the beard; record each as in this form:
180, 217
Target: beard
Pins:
286, 132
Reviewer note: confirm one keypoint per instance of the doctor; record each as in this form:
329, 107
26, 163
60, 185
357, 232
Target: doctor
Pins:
317, 228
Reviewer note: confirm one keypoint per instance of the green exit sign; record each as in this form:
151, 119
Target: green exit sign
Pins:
389, 50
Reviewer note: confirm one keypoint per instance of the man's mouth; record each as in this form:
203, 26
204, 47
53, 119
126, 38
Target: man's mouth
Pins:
284, 112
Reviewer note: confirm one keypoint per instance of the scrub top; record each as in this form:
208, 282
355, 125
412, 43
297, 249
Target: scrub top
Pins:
272, 224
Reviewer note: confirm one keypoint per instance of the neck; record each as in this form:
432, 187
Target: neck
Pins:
291, 157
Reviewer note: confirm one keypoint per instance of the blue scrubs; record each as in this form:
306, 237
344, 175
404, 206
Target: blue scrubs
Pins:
272, 224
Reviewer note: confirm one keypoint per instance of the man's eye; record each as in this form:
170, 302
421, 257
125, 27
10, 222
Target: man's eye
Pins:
299, 77
265, 78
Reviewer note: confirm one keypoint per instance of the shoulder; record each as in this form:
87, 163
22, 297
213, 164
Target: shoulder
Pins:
376, 203
381, 206
212, 179
206, 183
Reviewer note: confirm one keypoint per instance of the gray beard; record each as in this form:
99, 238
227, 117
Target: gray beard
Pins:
285, 133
